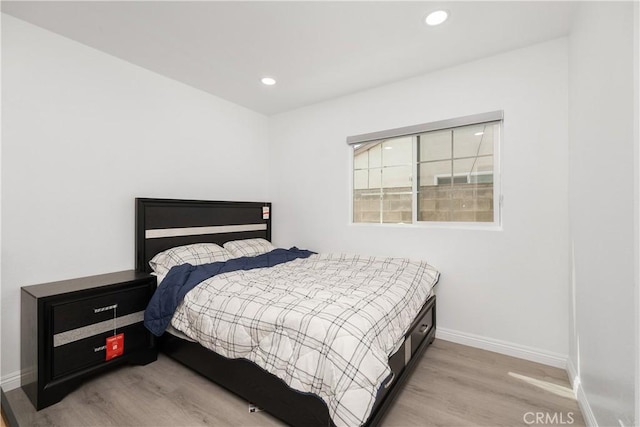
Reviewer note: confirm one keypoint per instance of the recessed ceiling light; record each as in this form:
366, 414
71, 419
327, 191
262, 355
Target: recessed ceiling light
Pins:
436, 17
479, 133
269, 81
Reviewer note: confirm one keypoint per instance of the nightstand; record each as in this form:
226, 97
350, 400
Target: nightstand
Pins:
65, 326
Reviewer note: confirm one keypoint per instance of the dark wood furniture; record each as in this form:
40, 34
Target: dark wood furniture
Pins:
165, 223
64, 327
162, 224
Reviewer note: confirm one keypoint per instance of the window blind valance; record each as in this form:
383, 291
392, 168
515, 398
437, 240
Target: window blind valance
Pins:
426, 127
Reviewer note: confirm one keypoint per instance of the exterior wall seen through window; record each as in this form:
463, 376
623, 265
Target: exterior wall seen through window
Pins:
444, 176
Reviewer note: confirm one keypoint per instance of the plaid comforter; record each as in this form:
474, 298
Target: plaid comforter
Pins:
325, 324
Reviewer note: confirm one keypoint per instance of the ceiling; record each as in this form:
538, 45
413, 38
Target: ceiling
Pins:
316, 50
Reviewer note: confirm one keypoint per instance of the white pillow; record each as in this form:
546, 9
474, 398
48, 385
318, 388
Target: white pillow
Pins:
248, 247
196, 254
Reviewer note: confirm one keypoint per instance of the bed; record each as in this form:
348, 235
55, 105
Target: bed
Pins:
163, 224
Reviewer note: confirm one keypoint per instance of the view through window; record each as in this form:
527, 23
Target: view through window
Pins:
446, 175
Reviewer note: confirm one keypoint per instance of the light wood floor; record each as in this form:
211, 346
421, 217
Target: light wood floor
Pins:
453, 385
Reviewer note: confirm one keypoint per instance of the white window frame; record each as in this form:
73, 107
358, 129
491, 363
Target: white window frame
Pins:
498, 199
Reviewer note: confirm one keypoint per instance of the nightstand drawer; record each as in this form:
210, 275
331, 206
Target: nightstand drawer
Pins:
89, 352
100, 308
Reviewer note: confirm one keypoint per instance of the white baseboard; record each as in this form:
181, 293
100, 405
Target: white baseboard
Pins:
583, 403
503, 347
10, 381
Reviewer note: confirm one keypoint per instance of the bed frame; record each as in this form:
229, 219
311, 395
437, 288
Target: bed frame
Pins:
165, 223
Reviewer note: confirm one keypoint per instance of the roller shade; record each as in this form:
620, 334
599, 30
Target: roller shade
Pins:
492, 116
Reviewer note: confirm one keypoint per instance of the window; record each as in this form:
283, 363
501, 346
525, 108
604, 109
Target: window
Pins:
441, 172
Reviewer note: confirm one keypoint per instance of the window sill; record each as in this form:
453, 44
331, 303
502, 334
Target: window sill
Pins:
427, 225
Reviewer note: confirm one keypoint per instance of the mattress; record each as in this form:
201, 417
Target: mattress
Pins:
176, 333
325, 325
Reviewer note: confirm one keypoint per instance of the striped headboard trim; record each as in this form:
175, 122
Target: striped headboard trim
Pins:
197, 231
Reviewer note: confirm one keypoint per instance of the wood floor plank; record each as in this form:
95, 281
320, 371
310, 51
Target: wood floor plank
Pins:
453, 385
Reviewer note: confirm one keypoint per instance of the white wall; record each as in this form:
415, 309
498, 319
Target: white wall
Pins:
507, 289
601, 182
84, 134
636, 209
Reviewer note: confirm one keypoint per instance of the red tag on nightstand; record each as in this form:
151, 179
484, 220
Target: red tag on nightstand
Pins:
115, 346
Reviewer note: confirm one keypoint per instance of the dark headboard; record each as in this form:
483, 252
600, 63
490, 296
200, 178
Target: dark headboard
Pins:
164, 223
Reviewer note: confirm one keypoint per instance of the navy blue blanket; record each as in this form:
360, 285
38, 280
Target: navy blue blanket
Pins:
182, 278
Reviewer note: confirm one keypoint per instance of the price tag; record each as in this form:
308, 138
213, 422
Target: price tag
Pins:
115, 346
265, 212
